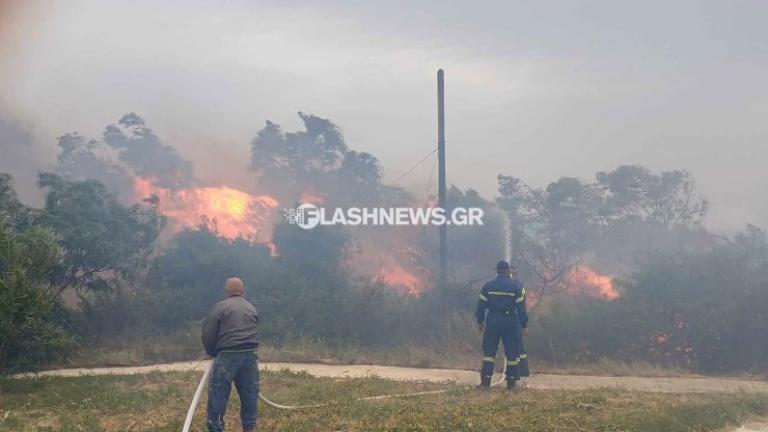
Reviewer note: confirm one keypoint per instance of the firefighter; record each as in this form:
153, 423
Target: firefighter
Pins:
504, 300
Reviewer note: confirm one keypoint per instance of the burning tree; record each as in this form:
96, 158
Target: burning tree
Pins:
132, 162
554, 229
315, 165
139, 148
701, 310
232, 212
551, 229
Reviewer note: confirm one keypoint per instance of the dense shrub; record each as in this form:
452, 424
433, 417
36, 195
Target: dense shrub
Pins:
703, 311
29, 334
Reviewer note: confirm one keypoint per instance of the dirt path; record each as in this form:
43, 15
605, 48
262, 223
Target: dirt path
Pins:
538, 381
753, 427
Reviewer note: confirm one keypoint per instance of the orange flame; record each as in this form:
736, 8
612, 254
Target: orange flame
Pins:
584, 280
311, 197
235, 213
395, 275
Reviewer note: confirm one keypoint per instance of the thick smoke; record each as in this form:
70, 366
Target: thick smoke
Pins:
128, 149
81, 158
21, 157
139, 148
291, 163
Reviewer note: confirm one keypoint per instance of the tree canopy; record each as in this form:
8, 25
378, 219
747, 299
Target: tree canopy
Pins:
555, 227
100, 237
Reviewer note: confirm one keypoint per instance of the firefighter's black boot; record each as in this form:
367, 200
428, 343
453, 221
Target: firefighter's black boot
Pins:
511, 384
485, 383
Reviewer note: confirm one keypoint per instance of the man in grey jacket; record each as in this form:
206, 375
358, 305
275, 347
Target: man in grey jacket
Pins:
230, 336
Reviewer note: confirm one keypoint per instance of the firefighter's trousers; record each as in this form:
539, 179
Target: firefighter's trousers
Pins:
504, 328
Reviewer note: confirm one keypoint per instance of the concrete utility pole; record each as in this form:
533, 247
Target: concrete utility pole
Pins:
442, 202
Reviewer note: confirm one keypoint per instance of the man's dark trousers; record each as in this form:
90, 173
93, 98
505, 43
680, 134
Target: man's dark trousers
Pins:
242, 368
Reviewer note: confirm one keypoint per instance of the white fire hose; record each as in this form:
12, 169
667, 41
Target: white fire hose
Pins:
204, 381
196, 398
206, 376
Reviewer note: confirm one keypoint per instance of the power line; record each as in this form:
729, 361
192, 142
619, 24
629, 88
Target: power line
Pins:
429, 183
414, 167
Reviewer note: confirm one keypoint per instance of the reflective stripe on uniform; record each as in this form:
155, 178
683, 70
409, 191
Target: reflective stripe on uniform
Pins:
512, 362
483, 298
501, 293
520, 358
489, 359
520, 299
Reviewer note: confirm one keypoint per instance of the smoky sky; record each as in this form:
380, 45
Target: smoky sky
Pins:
536, 90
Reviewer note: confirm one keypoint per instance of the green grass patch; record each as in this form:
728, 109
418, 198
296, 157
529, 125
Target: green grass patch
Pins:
158, 402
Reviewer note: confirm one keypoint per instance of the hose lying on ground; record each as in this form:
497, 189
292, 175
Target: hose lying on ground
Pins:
204, 380
196, 399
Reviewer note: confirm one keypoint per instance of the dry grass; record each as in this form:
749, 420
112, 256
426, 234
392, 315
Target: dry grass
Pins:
185, 345
610, 367
158, 402
136, 351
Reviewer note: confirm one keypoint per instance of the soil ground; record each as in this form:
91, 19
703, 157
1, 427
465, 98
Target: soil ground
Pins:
537, 381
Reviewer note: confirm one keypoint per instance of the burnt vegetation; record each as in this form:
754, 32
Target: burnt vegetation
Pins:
101, 261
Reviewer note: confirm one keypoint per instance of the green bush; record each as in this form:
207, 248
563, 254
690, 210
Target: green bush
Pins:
29, 334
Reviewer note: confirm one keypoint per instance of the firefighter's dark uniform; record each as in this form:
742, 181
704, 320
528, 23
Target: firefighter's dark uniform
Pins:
504, 299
